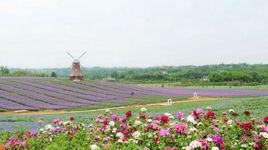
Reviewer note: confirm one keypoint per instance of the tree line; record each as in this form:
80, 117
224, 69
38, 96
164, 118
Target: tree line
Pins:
211, 74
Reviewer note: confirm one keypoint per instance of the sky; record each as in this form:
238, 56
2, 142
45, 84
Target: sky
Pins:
132, 33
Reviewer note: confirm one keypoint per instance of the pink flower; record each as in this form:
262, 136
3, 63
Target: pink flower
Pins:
180, 115
123, 126
24, 144
123, 119
106, 138
56, 121
264, 129
164, 132
199, 111
244, 139
224, 113
218, 140
216, 129
180, 128
115, 118
40, 122
105, 122
204, 143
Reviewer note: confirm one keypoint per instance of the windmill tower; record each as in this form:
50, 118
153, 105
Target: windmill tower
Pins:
76, 73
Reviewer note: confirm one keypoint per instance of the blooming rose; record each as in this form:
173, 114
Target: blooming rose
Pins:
164, 119
180, 115
265, 119
195, 144
72, 118
128, 114
164, 132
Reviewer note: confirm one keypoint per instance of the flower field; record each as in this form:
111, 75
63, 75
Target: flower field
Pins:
29, 93
201, 129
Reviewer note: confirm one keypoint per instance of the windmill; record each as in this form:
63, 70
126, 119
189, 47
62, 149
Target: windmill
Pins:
76, 73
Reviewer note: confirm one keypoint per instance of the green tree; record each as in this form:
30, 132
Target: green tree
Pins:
53, 74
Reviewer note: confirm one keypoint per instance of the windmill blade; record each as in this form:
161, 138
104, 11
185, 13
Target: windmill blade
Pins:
82, 55
70, 55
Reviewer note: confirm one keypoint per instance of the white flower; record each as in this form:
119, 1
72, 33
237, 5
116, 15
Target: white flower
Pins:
229, 121
195, 144
137, 123
192, 129
66, 122
208, 107
120, 141
149, 120
209, 139
111, 123
94, 147
143, 109
190, 118
48, 127
214, 148
136, 134
244, 145
264, 134
199, 123
114, 130
150, 135
170, 116
231, 111
252, 143
120, 135
260, 126
187, 148
107, 110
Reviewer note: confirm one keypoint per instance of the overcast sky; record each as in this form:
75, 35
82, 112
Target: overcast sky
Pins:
37, 33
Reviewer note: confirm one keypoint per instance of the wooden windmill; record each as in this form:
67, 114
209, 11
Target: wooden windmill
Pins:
76, 73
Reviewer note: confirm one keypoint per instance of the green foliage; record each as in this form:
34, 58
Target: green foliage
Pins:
28, 73
222, 74
53, 74
4, 71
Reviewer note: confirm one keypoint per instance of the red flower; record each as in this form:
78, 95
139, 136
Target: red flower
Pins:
157, 118
71, 118
247, 113
142, 116
128, 114
265, 119
210, 114
225, 119
234, 114
164, 119
247, 126
125, 132
156, 139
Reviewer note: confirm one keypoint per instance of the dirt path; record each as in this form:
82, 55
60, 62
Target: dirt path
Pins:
25, 112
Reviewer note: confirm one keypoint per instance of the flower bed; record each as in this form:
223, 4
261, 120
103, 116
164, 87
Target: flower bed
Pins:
200, 130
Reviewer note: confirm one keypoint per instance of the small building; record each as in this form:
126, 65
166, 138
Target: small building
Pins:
76, 73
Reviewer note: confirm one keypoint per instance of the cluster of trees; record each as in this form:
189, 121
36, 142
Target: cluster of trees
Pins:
223, 73
4, 71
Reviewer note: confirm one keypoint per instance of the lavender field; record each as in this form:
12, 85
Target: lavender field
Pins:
29, 93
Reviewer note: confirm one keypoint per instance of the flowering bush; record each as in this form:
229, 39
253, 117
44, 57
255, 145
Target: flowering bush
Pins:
199, 130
